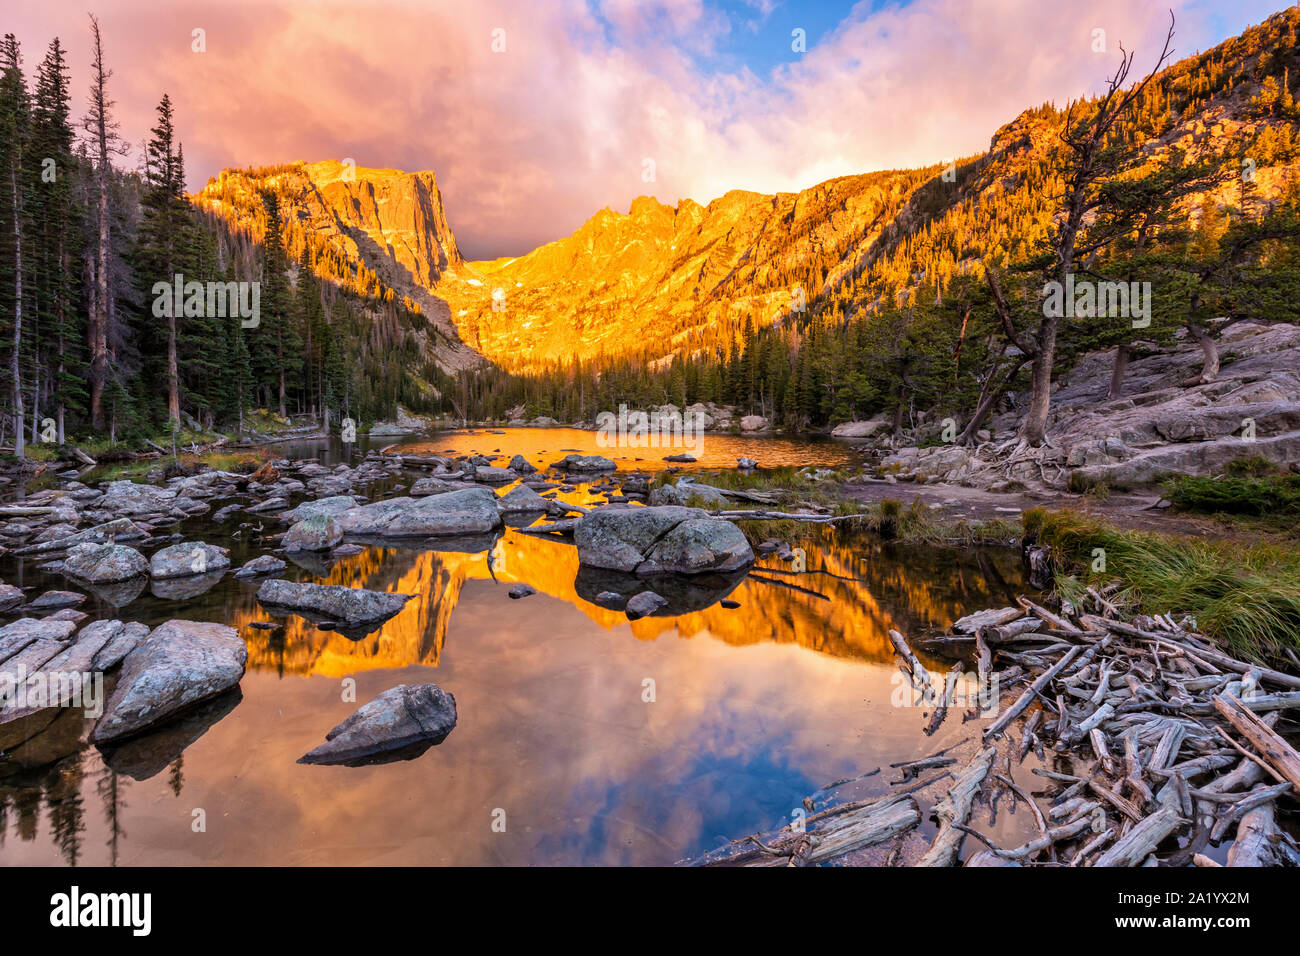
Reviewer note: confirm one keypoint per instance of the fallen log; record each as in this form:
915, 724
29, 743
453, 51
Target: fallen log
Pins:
1279, 755
1141, 841
954, 810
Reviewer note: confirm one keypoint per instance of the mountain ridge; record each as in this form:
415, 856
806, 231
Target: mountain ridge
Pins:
663, 280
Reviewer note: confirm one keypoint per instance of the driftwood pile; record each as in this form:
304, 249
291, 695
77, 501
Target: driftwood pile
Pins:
1172, 742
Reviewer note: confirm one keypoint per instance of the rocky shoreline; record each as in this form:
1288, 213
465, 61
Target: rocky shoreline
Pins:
108, 541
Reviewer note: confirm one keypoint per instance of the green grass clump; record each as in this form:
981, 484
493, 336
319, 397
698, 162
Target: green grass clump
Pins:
1246, 595
1276, 494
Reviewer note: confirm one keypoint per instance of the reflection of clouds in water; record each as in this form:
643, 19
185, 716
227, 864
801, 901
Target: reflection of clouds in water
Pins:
552, 725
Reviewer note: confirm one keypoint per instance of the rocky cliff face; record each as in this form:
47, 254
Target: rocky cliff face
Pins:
660, 279
388, 221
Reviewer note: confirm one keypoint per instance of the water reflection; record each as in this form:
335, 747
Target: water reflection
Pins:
543, 446
748, 709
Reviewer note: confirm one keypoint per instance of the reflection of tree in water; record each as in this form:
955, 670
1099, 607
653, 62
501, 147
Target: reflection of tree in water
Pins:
67, 810
111, 787
176, 778
58, 788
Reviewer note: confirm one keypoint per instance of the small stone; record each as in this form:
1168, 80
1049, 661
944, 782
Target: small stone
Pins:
640, 605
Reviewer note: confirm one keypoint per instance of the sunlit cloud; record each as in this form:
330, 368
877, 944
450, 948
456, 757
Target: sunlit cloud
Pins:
535, 116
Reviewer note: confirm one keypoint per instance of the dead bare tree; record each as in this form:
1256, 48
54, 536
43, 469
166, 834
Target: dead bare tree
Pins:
1093, 156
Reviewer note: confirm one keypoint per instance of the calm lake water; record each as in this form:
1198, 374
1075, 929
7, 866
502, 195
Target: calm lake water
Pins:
751, 709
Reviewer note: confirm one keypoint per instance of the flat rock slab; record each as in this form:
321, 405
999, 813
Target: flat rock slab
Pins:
400, 723
352, 606
53, 600
22, 633
180, 664
121, 529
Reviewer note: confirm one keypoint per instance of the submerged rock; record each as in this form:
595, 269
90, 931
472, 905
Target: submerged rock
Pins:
185, 588
104, 563
522, 591
54, 600
333, 602
186, 558
263, 564
647, 602
180, 664
398, 724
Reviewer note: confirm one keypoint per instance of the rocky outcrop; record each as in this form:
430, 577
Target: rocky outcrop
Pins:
683, 492
351, 606
180, 664
1159, 427
400, 723
659, 540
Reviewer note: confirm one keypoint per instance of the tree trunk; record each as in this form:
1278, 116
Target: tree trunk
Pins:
173, 374
1210, 349
1034, 428
99, 314
19, 445
1117, 372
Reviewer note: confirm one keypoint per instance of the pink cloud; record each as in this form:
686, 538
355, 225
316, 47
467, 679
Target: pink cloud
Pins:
529, 142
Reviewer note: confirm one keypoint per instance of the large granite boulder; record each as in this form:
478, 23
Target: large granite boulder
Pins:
321, 506
861, 429
318, 532
398, 724
584, 463
468, 511
128, 498
659, 540
682, 493
521, 499
104, 563
180, 664
186, 558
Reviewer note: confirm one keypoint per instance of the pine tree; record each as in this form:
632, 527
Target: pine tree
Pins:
15, 134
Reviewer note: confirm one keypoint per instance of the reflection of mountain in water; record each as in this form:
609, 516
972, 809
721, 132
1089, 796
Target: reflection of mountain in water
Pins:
854, 591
